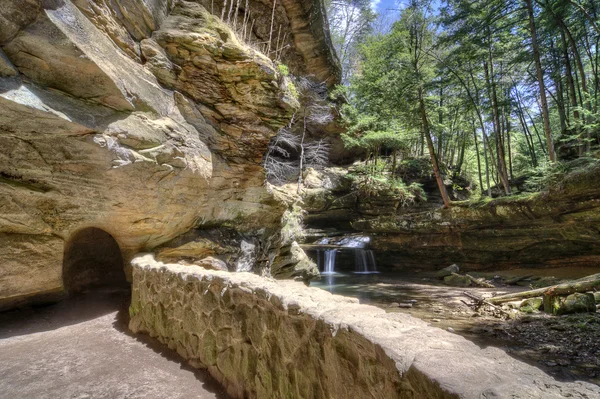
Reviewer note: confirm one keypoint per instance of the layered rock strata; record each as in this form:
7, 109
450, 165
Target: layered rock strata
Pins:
143, 118
300, 36
277, 339
558, 228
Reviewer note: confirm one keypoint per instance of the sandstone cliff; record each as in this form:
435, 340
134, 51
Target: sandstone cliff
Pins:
556, 228
141, 118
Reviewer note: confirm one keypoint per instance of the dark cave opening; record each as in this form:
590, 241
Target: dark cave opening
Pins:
92, 260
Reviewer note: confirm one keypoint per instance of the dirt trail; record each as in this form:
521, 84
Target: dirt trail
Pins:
81, 348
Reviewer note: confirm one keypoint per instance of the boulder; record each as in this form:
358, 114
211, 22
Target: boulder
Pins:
531, 305
447, 271
574, 303
456, 280
6, 66
292, 262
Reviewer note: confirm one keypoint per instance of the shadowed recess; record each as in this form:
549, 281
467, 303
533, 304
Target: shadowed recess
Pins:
92, 259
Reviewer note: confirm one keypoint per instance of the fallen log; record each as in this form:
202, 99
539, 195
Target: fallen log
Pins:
480, 301
480, 282
572, 287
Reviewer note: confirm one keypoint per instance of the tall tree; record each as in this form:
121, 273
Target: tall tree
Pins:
540, 78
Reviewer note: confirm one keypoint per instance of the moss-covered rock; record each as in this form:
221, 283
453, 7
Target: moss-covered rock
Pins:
553, 229
574, 303
447, 271
456, 280
531, 305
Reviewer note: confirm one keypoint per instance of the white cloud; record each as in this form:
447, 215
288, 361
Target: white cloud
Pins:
375, 4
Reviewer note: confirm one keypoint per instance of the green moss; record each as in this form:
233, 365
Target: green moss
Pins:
293, 89
134, 310
283, 69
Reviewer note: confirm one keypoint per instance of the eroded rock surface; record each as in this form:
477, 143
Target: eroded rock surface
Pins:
143, 118
558, 228
300, 35
271, 339
553, 229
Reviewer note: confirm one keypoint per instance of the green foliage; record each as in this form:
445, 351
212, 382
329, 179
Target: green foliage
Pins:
545, 176
550, 176
293, 90
283, 69
415, 168
473, 64
374, 181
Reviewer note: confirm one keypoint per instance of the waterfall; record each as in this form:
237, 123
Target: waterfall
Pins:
247, 259
364, 261
330, 261
372, 258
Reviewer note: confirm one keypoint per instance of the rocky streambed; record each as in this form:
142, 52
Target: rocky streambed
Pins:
565, 347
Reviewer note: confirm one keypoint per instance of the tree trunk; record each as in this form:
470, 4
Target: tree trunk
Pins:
540, 78
301, 156
440, 122
434, 162
569, 76
478, 157
502, 173
507, 134
271, 30
581, 285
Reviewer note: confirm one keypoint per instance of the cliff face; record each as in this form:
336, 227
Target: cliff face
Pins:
141, 118
559, 228
300, 34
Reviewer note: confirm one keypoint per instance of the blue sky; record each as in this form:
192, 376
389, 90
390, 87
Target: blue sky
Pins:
382, 5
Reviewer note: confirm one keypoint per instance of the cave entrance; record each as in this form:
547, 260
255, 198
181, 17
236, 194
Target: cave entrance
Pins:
92, 260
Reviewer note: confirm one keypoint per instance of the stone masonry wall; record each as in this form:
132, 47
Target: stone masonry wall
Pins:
262, 338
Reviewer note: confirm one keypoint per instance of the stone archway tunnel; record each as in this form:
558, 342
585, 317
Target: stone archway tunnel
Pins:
92, 259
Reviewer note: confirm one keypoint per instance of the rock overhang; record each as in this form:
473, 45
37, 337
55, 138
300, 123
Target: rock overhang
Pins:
135, 157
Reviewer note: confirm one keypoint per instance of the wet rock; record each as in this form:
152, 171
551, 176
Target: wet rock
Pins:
456, 280
447, 271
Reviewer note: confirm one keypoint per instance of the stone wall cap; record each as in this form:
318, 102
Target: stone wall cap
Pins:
459, 366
